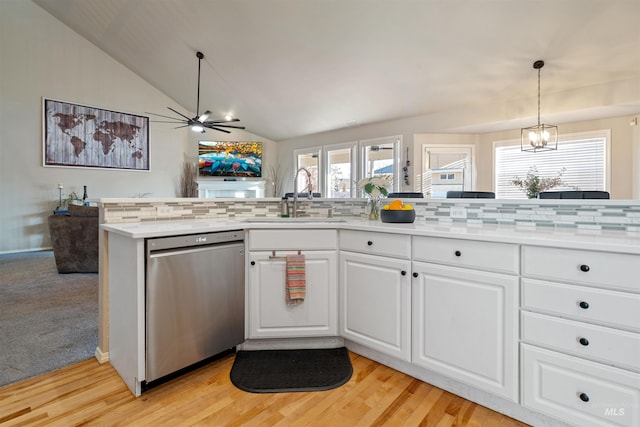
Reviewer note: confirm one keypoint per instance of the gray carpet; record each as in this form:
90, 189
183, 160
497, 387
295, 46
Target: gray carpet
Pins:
47, 320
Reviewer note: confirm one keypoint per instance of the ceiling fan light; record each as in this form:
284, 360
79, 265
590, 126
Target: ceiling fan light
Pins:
204, 116
228, 117
197, 128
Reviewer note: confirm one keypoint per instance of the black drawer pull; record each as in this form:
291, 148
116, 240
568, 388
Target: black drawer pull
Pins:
404, 273
457, 253
253, 263
584, 397
584, 268
415, 274
369, 243
584, 304
584, 341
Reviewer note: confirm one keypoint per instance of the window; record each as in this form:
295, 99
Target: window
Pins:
580, 160
309, 159
336, 168
446, 168
340, 170
379, 157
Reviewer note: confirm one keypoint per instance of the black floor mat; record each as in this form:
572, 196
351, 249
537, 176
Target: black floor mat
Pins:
280, 371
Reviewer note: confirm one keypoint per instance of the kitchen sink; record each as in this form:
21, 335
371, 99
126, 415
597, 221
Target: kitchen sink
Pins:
276, 219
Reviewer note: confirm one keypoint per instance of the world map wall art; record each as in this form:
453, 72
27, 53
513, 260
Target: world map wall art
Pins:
77, 135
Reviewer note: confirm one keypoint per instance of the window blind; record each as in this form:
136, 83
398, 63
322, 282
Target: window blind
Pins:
581, 162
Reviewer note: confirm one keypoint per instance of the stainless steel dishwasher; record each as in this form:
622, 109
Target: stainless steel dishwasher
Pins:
194, 299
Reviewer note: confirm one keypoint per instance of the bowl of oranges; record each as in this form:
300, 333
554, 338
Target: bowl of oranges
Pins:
397, 211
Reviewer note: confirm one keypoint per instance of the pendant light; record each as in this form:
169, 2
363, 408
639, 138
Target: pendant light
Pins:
541, 137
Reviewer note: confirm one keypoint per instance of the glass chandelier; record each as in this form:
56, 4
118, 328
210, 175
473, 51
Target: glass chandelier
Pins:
541, 137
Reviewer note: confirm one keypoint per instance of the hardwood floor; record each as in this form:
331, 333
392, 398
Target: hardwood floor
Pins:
92, 394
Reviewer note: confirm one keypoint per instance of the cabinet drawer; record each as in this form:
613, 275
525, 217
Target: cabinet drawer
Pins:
558, 385
501, 257
611, 270
292, 240
385, 244
607, 345
611, 308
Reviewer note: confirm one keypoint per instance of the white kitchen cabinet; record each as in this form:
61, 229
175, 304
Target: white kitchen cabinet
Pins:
375, 302
577, 391
268, 314
580, 342
465, 326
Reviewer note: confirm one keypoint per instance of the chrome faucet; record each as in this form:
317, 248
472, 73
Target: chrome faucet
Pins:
295, 190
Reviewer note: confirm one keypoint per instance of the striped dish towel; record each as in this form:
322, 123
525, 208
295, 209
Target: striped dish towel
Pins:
296, 283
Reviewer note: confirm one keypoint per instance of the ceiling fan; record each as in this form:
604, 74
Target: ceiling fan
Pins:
199, 123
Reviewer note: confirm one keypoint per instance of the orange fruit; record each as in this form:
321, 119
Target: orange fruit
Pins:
395, 205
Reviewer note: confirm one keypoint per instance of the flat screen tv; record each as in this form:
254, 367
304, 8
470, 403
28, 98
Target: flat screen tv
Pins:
230, 158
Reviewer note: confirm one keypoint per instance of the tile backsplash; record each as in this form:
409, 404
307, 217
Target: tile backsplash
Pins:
583, 214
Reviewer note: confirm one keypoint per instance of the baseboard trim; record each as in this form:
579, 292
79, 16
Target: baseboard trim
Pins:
20, 251
291, 343
102, 357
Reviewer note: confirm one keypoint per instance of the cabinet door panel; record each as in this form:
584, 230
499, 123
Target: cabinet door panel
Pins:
465, 326
375, 302
578, 391
269, 314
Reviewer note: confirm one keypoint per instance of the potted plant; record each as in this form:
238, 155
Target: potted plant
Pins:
533, 184
374, 188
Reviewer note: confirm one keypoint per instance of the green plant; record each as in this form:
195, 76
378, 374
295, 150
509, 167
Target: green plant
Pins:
375, 187
532, 184
71, 199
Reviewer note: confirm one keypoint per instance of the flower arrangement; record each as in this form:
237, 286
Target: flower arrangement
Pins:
374, 187
533, 184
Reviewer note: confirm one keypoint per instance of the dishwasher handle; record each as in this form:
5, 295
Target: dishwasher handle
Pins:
189, 250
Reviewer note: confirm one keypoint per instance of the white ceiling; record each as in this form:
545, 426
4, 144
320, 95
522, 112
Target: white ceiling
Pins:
288, 68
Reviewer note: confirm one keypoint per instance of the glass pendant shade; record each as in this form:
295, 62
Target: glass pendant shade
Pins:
541, 137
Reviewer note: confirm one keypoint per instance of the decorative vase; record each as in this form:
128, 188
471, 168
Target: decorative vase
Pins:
374, 209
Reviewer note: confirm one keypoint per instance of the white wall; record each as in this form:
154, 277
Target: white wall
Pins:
41, 57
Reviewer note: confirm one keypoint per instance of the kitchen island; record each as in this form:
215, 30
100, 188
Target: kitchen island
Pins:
464, 305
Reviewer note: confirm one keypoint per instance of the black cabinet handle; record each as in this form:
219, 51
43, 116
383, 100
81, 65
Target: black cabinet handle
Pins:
369, 243
584, 397
584, 268
404, 273
415, 274
584, 304
584, 341
253, 263
457, 253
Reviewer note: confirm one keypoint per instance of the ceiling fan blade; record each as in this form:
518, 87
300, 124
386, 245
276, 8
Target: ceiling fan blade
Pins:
166, 121
216, 128
184, 126
223, 121
207, 124
179, 113
161, 115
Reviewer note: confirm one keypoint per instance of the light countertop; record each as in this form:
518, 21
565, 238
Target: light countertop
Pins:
605, 240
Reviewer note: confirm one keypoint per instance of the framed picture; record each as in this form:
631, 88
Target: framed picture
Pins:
90, 137
230, 158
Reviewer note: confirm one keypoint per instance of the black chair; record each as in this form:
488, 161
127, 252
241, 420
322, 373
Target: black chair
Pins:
407, 195
301, 195
574, 195
470, 195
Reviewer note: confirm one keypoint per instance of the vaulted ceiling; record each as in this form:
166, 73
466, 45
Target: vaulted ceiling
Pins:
295, 67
